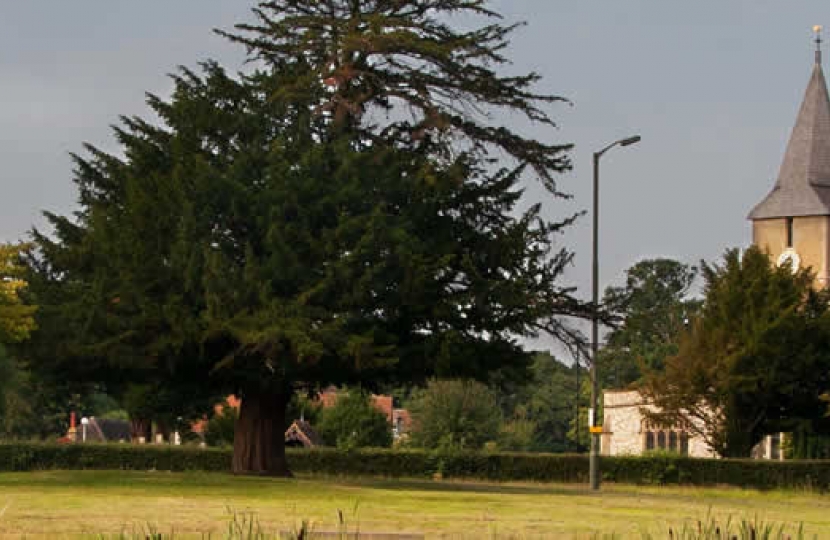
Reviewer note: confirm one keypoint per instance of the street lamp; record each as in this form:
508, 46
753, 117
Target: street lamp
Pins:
592, 416
84, 424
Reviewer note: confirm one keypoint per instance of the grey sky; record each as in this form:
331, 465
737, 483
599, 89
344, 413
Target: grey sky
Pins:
712, 86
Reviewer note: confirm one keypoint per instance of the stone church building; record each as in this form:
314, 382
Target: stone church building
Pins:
792, 223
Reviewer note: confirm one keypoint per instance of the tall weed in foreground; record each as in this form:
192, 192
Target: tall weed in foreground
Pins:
729, 529
244, 526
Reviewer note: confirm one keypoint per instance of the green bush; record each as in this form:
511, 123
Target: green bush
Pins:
455, 415
35, 456
503, 467
219, 430
353, 422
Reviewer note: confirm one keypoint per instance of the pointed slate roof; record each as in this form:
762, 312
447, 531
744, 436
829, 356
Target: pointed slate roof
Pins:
803, 186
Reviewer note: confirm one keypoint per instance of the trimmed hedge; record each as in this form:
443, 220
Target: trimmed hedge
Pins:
36, 456
502, 467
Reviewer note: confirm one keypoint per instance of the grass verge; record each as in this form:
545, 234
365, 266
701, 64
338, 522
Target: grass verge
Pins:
61, 504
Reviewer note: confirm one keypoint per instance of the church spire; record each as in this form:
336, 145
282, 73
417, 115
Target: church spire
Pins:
803, 186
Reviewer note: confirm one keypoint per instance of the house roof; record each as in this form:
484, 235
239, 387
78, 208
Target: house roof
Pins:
302, 432
114, 430
803, 185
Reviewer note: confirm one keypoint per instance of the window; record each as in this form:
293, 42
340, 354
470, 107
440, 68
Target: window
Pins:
789, 232
673, 441
684, 444
661, 440
649, 441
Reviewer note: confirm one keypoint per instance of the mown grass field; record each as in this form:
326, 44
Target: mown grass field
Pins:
87, 504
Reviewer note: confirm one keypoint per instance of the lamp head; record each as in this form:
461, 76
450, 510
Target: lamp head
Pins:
630, 140
84, 420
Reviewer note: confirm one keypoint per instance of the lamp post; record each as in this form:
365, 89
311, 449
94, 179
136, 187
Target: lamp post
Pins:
84, 424
592, 416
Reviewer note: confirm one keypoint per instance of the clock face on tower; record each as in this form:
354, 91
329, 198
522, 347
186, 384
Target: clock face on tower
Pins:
789, 256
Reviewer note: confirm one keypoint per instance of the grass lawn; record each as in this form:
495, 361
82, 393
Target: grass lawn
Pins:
72, 504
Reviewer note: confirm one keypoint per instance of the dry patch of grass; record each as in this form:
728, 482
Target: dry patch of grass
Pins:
77, 504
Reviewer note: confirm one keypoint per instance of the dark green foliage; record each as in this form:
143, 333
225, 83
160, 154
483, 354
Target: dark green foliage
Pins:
499, 467
220, 427
755, 361
301, 407
544, 405
354, 422
518, 434
30, 456
376, 57
454, 415
102, 405
269, 237
653, 308
8, 379
17, 415
805, 443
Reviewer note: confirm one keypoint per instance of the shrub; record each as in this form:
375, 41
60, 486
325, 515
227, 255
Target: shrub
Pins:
517, 434
353, 422
34, 456
220, 428
455, 415
505, 467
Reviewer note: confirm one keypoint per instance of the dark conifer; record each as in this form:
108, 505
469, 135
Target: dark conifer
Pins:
276, 233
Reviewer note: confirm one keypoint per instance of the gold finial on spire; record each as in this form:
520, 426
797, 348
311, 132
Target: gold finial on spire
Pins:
817, 31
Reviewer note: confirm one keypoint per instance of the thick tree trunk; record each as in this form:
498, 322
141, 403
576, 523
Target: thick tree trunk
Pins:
259, 438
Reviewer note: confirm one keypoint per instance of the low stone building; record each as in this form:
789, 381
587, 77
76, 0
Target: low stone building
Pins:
626, 431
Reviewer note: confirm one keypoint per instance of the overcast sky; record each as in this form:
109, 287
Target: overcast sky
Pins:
713, 87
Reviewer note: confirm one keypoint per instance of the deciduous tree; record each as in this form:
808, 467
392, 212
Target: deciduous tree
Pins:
16, 317
651, 309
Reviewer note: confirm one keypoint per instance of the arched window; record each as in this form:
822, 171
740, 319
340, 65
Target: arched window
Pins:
661, 440
649, 440
673, 441
684, 444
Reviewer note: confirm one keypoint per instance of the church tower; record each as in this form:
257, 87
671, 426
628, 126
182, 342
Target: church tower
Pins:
792, 223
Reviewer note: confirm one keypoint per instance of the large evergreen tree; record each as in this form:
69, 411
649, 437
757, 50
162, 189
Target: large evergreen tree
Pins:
276, 233
755, 361
395, 76
399, 72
